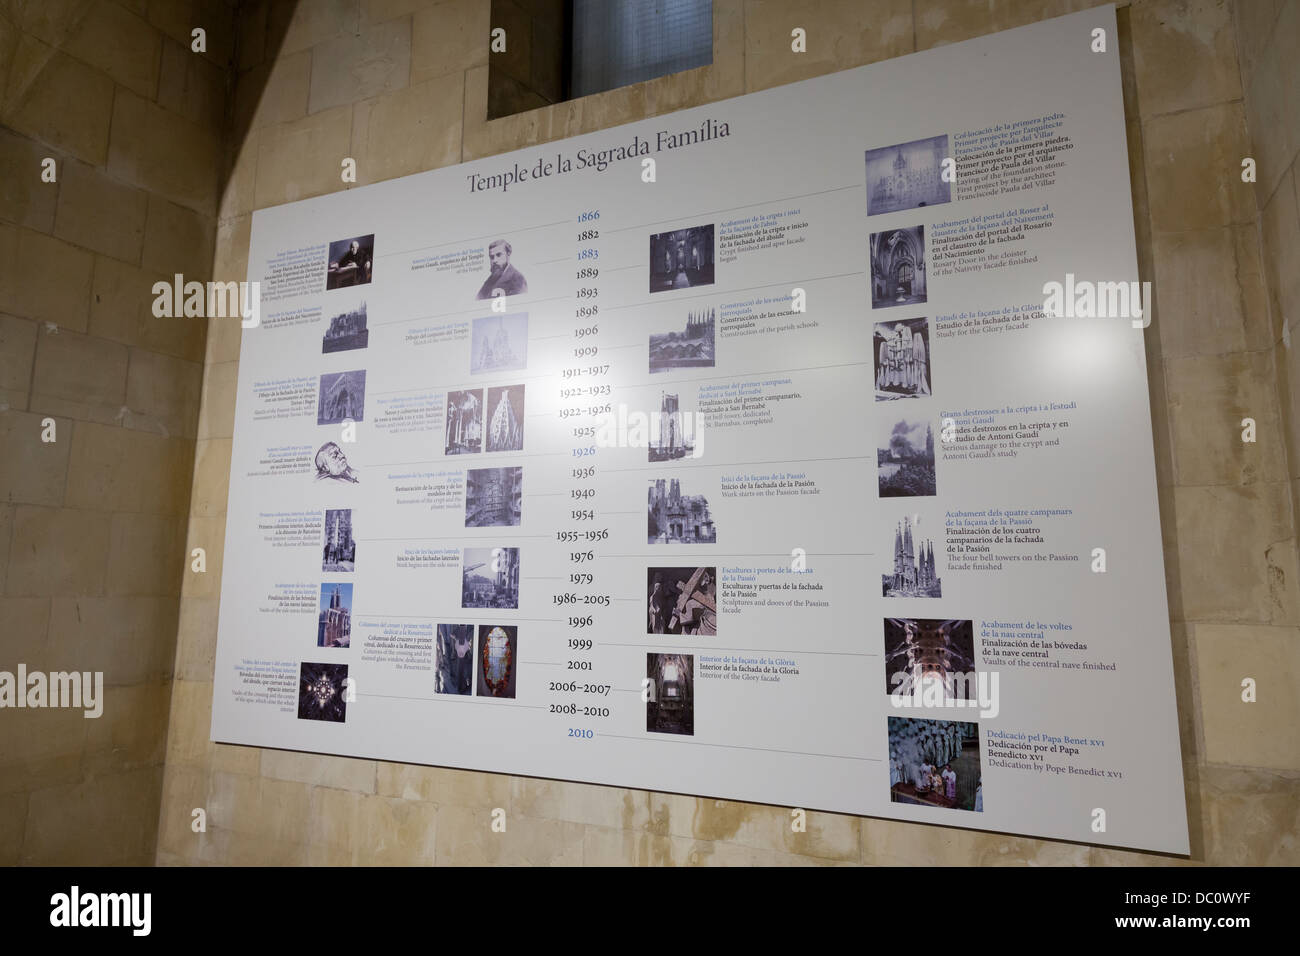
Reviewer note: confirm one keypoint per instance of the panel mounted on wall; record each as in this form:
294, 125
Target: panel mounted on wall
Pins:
861, 347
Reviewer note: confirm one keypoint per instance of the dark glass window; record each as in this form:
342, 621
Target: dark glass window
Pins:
561, 49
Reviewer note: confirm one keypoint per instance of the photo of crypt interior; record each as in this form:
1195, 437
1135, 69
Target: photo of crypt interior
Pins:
138, 139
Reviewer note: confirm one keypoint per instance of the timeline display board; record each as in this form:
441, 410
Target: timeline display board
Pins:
739, 452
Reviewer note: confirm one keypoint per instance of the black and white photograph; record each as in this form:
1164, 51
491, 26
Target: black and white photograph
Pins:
691, 346
672, 431
919, 650
675, 518
347, 331
682, 601
907, 176
901, 351
490, 578
915, 574
342, 397
504, 278
493, 497
497, 660
340, 552
322, 692
332, 465
682, 259
905, 461
499, 343
505, 418
350, 262
454, 661
670, 694
935, 763
897, 267
334, 625
464, 422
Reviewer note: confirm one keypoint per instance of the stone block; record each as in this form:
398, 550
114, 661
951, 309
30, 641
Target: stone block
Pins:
320, 770
44, 279
184, 790
25, 198
449, 37
80, 368
302, 159
317, 21
41, 748
409, 131
58, 100
32, 471
395, 832
17, 355
348, 69
177, 239
580, 803
196, 639
132, 731
210, 535
116, 469
108, 821
115, 41
1280, 232
1193, 169
131, 639
274, 92
98, 213
217, 410
211, 477
1254, 25
1272, 103
160, 151
1263, 733
1209, 397
840, 34
147, 555
163, 392
1184, 55
1236, 553
465, 838
192, 86
57, 551
216, 17
121, 309
1251, 817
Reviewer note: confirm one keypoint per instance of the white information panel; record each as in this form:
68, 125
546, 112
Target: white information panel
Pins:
745, 451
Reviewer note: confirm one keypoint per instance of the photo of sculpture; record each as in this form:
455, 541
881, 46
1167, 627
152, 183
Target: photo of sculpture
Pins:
347, 331
902, 355
464, 423
334, 624
681, 259
342, 396
340, 553
921, 649
503, 278
453, 671
497, 660
331, 463
490, 578
321, 690
493, 497
675, 518
935, 763
905, 465
670, 703
682, 601
907, 176
505, 424
897, 267
499, 343
915, 573
350, 262
692, 347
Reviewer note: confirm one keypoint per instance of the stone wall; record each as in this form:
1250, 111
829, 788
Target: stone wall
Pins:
402, 86
93, 523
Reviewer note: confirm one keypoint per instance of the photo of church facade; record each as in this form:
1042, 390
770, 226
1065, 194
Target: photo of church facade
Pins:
675, 518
